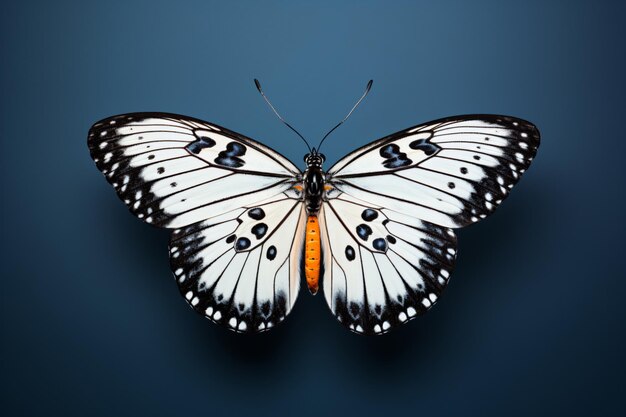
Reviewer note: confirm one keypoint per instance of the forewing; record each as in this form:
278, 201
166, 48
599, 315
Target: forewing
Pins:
173, 171
242, 268
381, 268
451, 172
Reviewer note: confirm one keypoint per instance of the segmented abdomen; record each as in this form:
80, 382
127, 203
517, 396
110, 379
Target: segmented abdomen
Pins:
312, 254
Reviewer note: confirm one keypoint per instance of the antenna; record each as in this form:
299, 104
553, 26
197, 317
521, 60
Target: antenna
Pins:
367, 90
258, 87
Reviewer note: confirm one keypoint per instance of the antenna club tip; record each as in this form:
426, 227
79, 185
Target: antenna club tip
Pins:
258, 84
369, 84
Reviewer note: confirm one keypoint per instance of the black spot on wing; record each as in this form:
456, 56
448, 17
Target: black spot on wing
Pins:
350, 253
230, 157
380, 244
368, 215
393, 157
197, 145
271, 253
259, 230
242, 243
364, 231
425, 146
256, 213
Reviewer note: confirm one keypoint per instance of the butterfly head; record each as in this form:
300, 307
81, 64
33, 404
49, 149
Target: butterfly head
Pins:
314, 159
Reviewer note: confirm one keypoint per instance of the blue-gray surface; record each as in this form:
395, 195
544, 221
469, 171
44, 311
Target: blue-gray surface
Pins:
92, 321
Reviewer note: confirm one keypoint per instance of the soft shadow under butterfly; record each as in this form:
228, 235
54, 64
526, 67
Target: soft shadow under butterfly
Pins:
248, 224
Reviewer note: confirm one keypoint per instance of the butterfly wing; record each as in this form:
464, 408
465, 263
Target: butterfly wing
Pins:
381, 267
237, 241
173, 171
242, 268
451, 172
394, 202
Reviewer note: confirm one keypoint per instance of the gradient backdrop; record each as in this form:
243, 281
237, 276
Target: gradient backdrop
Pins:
532, 322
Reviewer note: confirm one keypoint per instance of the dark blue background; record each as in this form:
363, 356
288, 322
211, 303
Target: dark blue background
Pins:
533, 321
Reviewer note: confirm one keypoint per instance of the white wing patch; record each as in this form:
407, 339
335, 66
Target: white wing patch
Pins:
234, 278
451, 172
173, 171
374, 284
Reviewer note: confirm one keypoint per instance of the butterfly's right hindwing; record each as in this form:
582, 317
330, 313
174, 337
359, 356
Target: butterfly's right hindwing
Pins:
382, 268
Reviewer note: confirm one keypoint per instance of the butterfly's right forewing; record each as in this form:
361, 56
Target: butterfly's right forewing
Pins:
451, 172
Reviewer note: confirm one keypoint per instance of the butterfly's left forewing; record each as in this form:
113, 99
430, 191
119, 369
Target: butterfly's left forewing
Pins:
173, 171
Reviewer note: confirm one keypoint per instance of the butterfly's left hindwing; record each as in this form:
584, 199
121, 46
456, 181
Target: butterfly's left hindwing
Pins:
242, 268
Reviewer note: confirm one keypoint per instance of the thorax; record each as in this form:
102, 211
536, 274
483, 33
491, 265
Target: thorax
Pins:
313, 186
313, 182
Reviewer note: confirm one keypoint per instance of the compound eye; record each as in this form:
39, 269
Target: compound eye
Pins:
323, 157
306, 157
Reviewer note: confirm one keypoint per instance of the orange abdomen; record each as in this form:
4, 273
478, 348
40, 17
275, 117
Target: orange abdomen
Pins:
312, 254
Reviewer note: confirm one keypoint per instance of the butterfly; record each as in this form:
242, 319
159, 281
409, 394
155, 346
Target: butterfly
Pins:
376, 228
